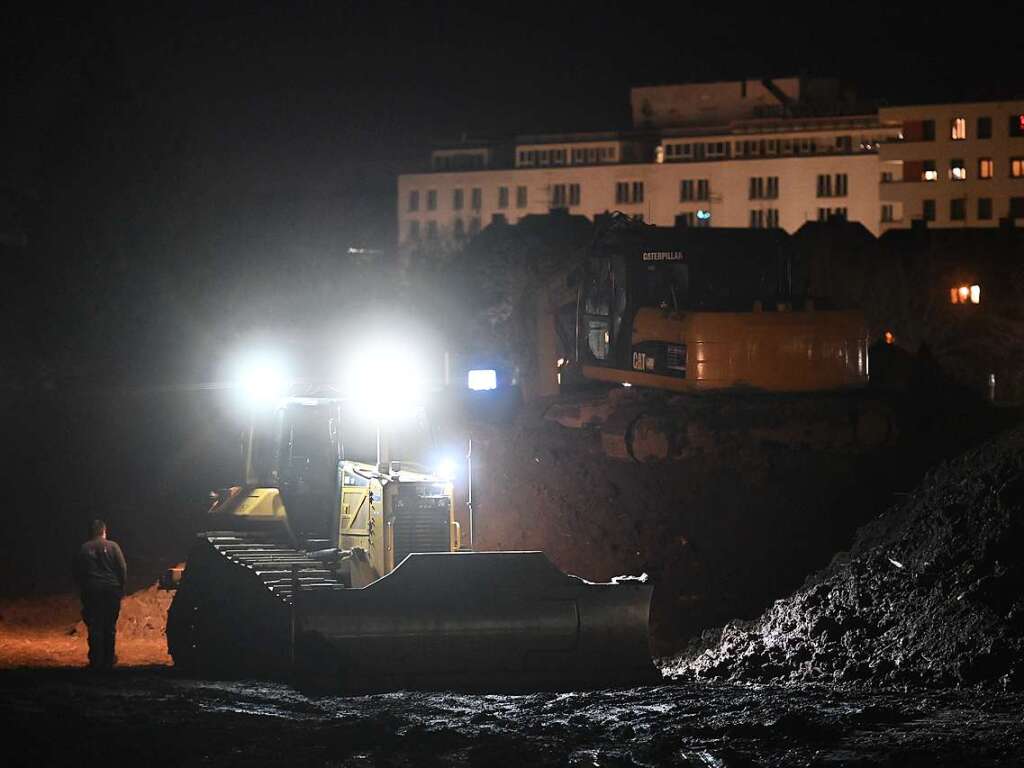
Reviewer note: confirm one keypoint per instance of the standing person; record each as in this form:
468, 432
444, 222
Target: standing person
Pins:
100, 573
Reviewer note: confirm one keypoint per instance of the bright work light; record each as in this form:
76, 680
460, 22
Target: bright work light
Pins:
384, 380
262, 379
482, 380
446, 469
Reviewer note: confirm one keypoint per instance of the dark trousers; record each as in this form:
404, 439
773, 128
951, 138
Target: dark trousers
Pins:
100, 609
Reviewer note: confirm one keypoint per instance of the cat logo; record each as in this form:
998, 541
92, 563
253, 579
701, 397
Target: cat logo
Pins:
639, 361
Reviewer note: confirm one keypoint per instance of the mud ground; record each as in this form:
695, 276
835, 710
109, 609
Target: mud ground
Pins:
149, 716
145, 713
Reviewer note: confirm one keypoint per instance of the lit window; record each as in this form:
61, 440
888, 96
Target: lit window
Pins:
958, 129
1016, 167
928, 172
957, 170
985, 168
965, 294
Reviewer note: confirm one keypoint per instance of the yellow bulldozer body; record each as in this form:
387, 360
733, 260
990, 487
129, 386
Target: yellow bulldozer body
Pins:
262, 595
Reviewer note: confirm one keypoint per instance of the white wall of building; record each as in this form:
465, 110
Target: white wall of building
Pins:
865, 151
729, 183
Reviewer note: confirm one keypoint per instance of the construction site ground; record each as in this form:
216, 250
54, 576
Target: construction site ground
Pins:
727, 529
146, 713
149, 716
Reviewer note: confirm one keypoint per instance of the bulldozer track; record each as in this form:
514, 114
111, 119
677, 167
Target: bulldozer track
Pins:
233, 609
279, 567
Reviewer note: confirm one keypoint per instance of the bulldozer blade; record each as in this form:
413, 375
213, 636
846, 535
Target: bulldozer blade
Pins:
478, 621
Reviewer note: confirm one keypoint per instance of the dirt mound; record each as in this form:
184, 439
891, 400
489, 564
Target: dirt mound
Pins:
48, 631
930, 593
143, 614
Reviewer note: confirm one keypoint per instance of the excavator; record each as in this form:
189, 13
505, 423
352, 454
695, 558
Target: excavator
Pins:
347, 570
698, 309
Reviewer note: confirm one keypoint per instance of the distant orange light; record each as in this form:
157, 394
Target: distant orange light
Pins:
889, 338
965, 294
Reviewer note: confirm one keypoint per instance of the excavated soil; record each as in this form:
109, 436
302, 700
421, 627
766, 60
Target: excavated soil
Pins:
727, 504
931, 592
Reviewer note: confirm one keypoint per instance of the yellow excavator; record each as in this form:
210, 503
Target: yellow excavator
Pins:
701, 309
351, 573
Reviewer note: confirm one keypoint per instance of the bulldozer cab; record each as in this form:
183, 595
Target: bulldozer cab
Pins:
337, 492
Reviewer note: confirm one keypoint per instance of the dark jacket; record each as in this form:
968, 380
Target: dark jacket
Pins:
99, 566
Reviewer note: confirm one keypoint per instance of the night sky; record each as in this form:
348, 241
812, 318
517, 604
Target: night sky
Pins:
151, 153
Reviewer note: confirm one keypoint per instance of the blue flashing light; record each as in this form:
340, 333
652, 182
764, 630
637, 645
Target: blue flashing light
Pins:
482, 380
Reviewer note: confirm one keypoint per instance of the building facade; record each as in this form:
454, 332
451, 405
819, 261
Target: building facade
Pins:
753, 153
954, 165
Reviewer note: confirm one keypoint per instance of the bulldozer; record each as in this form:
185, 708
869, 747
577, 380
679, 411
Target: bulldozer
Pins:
350, 573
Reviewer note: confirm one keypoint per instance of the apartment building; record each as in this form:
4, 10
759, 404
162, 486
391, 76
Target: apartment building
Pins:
752, 153
953, 165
